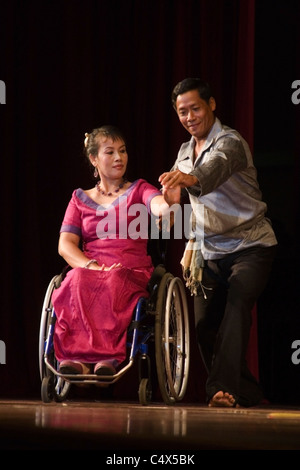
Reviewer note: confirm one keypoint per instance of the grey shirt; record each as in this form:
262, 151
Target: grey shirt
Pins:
227, 202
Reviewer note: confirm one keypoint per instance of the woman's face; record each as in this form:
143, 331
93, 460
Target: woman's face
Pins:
112, 158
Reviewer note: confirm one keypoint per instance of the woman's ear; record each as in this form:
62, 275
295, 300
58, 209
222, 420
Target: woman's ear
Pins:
92, 159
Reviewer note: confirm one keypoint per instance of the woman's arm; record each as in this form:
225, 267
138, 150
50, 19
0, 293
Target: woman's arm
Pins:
161, 205
68, 248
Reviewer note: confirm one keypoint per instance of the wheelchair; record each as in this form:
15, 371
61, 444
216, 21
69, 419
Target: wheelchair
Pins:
162, 318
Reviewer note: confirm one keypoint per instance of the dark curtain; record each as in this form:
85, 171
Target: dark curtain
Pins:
70, 66
277, 150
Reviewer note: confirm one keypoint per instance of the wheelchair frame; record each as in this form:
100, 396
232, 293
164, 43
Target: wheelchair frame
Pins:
163, 317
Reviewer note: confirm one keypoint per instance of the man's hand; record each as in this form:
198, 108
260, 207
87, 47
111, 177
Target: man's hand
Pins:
171, 179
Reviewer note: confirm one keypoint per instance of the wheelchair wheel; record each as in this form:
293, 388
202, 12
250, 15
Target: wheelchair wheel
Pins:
172, 339
44, 324
145, 392
53, 387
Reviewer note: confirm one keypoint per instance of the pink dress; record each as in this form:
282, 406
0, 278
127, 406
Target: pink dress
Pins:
94, 308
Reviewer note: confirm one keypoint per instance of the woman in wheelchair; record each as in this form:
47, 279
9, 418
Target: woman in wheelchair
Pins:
103, 238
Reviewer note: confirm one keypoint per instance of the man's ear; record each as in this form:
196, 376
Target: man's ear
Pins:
212, 103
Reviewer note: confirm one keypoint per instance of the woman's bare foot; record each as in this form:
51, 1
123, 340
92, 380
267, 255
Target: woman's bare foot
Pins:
223, 399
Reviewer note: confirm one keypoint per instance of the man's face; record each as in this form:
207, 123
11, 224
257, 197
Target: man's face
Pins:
195, 114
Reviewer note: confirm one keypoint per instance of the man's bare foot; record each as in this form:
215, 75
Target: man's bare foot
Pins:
223, 399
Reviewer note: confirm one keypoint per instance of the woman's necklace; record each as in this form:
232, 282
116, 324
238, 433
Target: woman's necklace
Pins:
111, 193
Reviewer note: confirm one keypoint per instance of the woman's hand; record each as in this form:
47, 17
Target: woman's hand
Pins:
96, 267
103, 267
172, 196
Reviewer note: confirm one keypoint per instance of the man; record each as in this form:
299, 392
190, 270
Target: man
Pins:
228, 260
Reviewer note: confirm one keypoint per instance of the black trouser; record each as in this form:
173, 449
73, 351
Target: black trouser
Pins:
223, 320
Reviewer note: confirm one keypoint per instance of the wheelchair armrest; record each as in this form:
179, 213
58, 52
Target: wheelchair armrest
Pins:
61, 276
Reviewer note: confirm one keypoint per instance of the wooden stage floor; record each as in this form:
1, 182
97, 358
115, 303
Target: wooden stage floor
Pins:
121, 428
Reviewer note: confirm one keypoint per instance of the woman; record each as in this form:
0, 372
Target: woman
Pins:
104, 239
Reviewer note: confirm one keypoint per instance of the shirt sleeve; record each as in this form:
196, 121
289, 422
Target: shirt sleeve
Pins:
226, 158
72, 218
